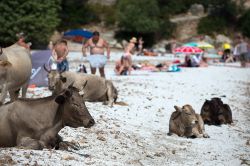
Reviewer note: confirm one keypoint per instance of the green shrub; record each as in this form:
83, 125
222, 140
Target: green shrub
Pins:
37, 19
106, 14
209, 25
76, 13
244, 23
138, 16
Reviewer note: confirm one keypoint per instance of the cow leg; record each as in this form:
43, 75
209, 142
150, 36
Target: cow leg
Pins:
65, 145
24, 89
14, 94
29, 143
110, 96
201, 126
3, 93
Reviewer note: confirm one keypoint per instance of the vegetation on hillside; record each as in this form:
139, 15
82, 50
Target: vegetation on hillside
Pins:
146, 18
37, 19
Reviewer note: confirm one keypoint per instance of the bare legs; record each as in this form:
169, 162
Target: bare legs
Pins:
101, 70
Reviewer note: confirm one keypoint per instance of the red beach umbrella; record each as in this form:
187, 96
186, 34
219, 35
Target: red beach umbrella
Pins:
188, 49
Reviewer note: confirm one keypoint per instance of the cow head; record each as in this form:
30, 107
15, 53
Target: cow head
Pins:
187, 115
54, 77
75, 113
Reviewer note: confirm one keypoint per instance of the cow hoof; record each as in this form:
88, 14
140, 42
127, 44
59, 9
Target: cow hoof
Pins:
68, 145
206, 136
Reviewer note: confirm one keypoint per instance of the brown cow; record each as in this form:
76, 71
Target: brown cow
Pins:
35, 123
184, 122
95, 88
215, 112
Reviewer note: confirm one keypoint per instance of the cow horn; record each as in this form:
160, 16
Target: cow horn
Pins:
84, 84
71, 85
45, 68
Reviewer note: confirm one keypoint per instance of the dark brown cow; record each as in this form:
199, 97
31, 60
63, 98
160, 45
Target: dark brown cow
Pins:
184, 122
35, 123
215, 112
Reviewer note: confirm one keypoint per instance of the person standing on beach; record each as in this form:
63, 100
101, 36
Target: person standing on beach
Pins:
59, 56
97, 59
21, 41
242, 50
140, 46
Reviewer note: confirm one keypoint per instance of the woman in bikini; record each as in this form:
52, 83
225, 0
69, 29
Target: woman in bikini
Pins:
126, 59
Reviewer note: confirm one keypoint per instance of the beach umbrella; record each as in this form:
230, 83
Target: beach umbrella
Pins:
188, 49
78, 34
191, 44
204, 45
199, 44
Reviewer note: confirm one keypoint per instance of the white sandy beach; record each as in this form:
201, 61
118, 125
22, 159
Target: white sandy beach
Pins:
137, 134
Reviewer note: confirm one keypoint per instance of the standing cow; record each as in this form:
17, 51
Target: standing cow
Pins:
184, 122
35, 123
15, 71
215, 112
95, 88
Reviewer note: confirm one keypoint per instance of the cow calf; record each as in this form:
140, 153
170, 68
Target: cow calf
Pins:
184, 122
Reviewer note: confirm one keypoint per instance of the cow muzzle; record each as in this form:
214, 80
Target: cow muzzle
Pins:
90, 123
51, 88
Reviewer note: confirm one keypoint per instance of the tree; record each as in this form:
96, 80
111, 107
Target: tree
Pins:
244, 23
36, 18
138, 16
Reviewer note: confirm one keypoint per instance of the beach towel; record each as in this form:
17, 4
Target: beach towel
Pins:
97, 60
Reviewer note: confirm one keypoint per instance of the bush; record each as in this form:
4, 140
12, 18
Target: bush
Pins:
139, 16
37, 19
171, 7
244, 23
106, 14
222, 17
76, 13
209, 25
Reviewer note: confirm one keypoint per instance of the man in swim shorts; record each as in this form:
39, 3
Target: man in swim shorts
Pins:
97, 59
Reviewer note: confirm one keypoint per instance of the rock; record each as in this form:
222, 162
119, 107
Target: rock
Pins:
222, 39
68, 157
196, 9
118, 45
101, 138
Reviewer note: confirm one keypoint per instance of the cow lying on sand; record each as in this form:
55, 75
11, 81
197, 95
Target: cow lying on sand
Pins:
184, 122
215, 112
35, 123
15, 71
95, 88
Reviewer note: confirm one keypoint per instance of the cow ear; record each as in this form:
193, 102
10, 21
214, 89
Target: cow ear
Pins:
60, 99
63, 79
5, 63
177, 108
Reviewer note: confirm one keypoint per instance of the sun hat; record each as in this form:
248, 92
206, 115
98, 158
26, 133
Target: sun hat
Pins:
133, 40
